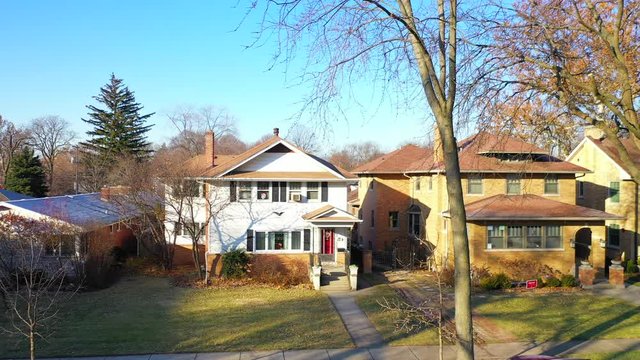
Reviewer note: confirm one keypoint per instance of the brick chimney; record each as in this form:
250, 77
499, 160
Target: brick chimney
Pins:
276, 131
438, 150
209, 147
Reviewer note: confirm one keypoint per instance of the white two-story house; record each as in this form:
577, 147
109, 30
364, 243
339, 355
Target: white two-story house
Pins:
274, 199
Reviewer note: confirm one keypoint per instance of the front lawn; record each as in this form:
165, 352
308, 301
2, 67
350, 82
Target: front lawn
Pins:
624, 355
561, 316
384, 320
148, 315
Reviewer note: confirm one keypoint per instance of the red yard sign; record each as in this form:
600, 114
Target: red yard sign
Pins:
532, 284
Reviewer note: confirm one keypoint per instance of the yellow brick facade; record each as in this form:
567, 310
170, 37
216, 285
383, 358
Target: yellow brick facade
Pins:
596, 194
398, 192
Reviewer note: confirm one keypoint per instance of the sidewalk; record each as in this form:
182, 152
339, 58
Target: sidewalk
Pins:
490, 351
630, 293
362, 331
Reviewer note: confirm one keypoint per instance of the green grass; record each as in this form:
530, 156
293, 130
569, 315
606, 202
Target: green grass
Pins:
562, 316
148, 315
384, 321
626, 355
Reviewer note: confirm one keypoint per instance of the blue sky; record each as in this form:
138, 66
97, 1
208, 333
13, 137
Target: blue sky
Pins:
55, 55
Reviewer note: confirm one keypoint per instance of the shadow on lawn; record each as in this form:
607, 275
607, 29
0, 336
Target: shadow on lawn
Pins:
565, 324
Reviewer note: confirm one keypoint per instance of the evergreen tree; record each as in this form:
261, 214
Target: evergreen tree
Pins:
26, 174
118, 129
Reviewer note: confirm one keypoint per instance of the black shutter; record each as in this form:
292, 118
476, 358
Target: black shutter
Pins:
274, 192
249, 240
283, 191
232, 192
325, 191
307, 240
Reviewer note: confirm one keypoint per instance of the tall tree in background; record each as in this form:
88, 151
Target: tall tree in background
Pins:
353, 155
580, 58
118, 127
12, 139
50, 135
26, 174
305, 138
404, 45
192, 123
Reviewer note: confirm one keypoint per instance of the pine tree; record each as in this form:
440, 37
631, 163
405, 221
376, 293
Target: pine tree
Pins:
26, 174
118, 129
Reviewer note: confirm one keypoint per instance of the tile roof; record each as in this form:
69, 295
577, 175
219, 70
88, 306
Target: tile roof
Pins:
481, 152
88, 211
398, 161
8, 195
607, 146
530, 207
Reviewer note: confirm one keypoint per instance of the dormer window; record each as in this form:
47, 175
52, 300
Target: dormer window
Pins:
514, 185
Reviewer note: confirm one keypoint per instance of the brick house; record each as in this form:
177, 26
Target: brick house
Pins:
274, 199
520, 203
609, 187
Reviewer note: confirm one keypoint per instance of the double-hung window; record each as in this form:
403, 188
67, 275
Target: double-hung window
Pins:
313, 191
281, 241
244, 192
393, 220
551, 185
474, 185
614, 191
524, 237
295, 191
264, 190
513, 184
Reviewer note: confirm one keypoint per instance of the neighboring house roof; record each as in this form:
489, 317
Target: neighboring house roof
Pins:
530, 207
88, 211
606, 145
352, 197
397, 161
481, 153
329, 213
225, 165
8, 195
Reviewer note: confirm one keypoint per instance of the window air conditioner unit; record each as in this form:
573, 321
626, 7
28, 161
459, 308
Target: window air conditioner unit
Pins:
296, 197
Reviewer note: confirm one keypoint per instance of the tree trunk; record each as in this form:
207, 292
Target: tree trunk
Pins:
463, 319
32, 345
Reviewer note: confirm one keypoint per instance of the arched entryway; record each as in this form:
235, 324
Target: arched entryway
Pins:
583, 245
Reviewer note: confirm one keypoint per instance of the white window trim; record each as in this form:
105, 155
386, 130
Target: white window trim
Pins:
268, 189
291, 192
318, 190
287, 251
239, 190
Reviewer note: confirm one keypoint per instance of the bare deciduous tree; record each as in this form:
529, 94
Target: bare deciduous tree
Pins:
579, 58
49, 136
304, 138
403, 45
12, 139
353, 155
32, 285
192, 123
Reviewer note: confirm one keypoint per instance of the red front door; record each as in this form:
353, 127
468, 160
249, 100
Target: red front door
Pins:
328, 235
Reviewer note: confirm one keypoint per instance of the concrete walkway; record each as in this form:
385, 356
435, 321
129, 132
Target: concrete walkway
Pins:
362, 331
630, 293
490, 351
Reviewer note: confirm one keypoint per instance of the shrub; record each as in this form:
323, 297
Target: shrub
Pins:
447, 276
119, 255
268, 269
568, 281
478, 274
631, 267
540, 283
522, 270
552, 281
234, 264
495, 282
